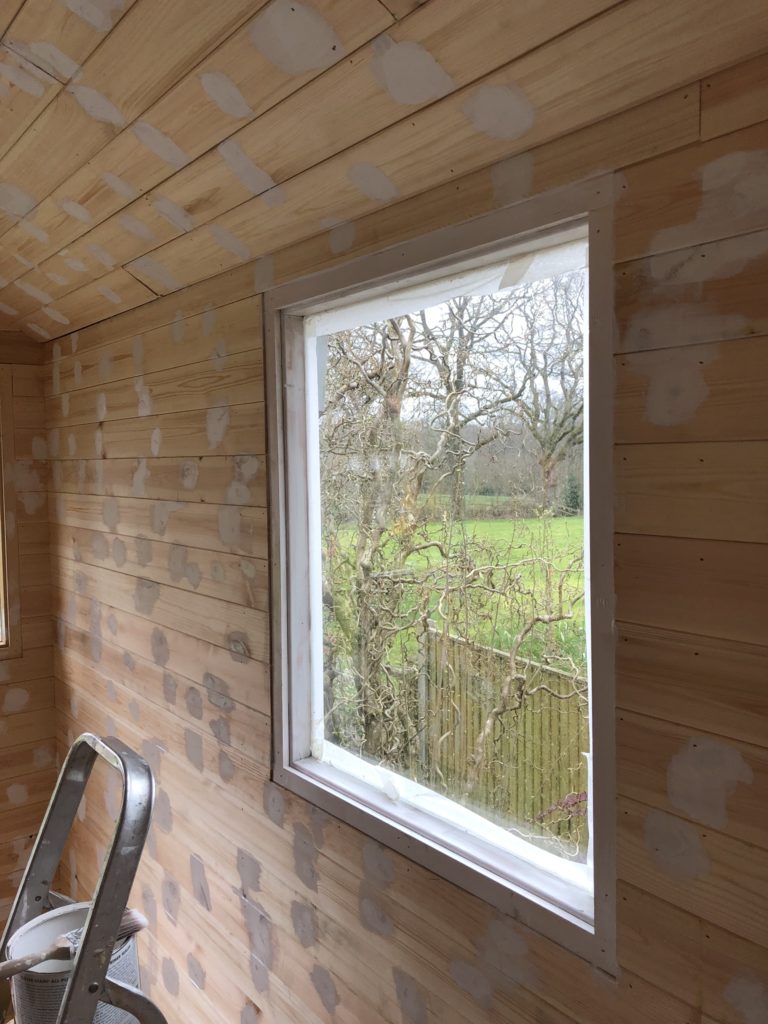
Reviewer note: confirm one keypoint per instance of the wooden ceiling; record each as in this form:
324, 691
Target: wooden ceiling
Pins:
146, 145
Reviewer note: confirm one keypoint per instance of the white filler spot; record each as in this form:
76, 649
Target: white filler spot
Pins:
295, 38
408, 72
220, 88
500, 111
373, 182
702, 776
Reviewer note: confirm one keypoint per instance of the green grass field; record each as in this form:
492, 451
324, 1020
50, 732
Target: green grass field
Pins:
492, 617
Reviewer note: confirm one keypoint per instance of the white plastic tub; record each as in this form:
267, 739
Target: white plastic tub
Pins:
37, 993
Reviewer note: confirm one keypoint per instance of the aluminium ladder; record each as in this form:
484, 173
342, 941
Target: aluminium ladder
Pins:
88, 982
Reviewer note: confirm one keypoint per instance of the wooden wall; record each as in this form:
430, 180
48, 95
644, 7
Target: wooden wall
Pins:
27, 718
262, 908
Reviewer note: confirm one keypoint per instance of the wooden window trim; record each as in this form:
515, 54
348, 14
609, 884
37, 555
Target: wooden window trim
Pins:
285, 306
10, 581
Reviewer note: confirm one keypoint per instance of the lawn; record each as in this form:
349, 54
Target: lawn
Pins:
536, 552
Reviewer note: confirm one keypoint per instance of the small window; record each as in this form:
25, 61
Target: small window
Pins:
437, 604
10, 627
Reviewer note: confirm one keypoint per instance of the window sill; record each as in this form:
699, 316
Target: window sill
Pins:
547, 893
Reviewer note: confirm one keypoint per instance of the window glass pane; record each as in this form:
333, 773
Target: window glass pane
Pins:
451, 470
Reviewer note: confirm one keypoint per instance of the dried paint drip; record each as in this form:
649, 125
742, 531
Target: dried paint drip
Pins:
295, 38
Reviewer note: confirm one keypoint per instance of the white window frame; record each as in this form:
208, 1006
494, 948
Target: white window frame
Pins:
546, 896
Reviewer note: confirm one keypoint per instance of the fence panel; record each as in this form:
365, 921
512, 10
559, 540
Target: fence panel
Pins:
533, 773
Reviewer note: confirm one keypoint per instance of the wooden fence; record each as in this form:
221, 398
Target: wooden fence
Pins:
533, 776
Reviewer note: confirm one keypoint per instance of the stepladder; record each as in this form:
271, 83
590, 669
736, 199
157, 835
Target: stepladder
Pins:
89, 984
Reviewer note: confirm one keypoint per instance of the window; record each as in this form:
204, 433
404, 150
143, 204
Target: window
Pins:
10, 627
437, 540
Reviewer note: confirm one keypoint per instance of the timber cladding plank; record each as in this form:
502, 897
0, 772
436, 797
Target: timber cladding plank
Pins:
412, 155
678, 678
235, 528
698, 194
209, 478
703, 293
194, 614
236, 83
734, 98
695, 775
695, 868
221, 429
47, 34
228, 577
189, 660
687, 957
189, 317
635, 134
467, 37
703, 393
213, 335
112, 91
26, 91
715, 490
708, 588
237, 380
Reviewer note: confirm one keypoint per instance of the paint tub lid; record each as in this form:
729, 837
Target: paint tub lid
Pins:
43, 931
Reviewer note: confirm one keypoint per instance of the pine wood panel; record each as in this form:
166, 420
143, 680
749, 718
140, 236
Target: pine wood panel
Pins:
195, 524
667, 766
125, 88
734, 98
414, 154
204, 478
717, 490
696, 195
189, 658
703, 293
213, 573
703, 393
685, 956
709, 588
678, 677
704, 872
25, 92
73, 34
194, 121
466, 37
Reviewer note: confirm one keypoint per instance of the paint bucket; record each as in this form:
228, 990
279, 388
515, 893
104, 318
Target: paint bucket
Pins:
38, 993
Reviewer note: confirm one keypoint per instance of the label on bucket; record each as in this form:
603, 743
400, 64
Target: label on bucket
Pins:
38, 994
